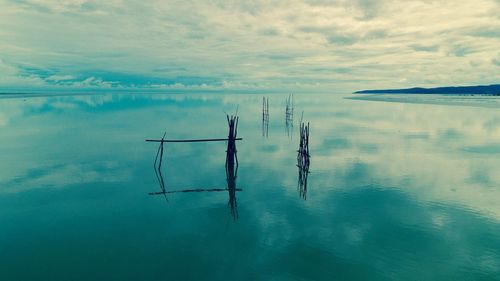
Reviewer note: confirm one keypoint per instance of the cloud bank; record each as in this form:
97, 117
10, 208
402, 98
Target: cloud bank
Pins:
313, 45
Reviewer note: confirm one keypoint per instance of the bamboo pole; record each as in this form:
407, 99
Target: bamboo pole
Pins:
231, 168
265, 116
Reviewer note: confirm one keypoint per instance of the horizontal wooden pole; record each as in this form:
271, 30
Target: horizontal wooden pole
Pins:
193, 190
199, 140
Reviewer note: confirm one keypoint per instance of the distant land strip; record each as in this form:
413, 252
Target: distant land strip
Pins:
493, 89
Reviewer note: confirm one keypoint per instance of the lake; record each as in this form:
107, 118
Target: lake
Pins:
395, 190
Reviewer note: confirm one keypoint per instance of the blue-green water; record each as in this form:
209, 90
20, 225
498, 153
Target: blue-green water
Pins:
396, 191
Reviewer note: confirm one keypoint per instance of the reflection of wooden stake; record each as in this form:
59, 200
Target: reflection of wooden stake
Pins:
289, 109
231, 160
193, 190
303, 159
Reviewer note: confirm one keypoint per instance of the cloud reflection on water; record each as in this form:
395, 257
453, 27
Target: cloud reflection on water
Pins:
381, 204
429, 148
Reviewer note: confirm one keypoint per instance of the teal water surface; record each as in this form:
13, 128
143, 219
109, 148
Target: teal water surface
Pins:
396, 191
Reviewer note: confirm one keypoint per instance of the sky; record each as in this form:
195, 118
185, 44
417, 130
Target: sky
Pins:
216, 45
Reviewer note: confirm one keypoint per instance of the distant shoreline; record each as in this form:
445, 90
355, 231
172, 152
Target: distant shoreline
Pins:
486, 90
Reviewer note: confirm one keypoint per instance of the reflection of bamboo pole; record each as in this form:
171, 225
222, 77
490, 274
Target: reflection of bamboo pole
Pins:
303, 159
265, 109
195, 140
193, 190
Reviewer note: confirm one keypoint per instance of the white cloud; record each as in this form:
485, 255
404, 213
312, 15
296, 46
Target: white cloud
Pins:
57, 78
496, 61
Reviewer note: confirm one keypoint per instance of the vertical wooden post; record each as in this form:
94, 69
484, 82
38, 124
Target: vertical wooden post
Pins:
265, 117
157, 167
231, 160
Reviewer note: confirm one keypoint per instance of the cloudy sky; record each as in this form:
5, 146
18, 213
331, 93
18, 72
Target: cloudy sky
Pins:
313, 45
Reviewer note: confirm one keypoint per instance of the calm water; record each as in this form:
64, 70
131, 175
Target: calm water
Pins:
396, 191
